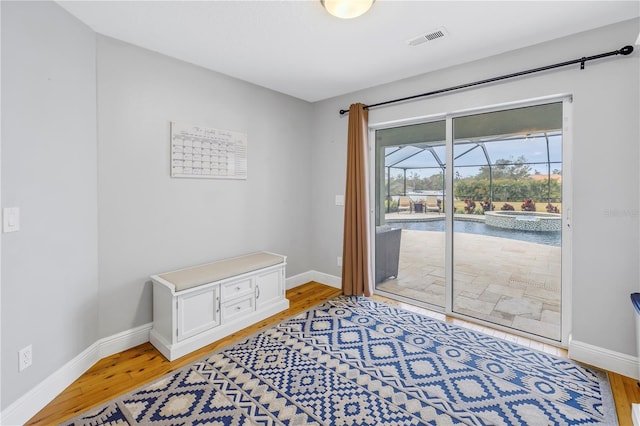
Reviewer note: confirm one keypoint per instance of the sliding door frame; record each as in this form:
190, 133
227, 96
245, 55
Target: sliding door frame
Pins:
567, 205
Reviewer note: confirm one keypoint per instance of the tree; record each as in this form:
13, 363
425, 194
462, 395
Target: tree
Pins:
508, 189
435, 182
415, 182
508, 169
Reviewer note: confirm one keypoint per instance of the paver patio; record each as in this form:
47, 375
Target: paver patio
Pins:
508, 282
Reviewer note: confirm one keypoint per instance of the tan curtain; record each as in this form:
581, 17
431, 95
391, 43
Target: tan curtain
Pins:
356, 277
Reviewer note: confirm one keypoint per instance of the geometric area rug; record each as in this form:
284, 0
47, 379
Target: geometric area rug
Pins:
354, 361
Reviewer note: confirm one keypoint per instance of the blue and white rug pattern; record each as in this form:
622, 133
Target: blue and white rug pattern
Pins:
353, 361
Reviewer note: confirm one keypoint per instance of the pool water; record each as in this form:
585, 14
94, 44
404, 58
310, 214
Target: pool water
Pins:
479, 228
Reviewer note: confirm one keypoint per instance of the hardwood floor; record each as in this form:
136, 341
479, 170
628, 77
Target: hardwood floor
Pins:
125, 371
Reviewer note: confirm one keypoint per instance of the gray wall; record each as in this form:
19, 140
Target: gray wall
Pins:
49, 170
60, 175
150, 223
605, 163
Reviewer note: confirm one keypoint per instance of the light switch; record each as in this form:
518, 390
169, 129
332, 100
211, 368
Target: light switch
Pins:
11, 219
339, 200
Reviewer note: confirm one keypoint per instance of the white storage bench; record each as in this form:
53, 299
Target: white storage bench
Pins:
195, 306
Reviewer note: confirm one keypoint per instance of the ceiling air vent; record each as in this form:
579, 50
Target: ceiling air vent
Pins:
423, 38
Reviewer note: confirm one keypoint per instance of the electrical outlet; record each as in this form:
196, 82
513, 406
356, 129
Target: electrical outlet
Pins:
339, 260
25, 357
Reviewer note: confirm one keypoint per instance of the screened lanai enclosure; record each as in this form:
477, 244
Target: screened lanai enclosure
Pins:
487, 165
483, 237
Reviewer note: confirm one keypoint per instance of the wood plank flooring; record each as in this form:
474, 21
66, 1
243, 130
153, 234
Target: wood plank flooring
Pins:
125, 371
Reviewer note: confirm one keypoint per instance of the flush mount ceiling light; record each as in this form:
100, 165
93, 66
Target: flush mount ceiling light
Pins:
347, 9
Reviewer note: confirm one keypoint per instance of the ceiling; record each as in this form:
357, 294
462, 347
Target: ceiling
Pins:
297, 48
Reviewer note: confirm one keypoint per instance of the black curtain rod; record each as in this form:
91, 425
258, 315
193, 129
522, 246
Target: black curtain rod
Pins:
624, 51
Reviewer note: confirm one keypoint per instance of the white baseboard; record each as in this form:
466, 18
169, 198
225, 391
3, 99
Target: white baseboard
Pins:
322, 278
125, 340
37, 398
606, 359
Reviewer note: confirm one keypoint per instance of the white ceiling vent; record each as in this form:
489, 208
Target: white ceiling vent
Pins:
430, 36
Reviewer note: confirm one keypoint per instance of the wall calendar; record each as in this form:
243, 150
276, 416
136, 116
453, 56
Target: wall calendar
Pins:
203, 152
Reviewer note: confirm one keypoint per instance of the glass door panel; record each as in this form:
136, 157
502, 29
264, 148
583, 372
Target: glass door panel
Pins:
409, 212
507, 189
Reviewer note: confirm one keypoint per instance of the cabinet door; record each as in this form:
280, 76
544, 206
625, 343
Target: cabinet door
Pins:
197, 312
269, 287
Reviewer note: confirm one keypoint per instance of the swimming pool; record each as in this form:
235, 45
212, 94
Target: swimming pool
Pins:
475, 227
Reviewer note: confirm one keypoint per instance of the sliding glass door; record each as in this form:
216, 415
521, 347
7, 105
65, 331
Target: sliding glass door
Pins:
482, 238
507, 237
410, 214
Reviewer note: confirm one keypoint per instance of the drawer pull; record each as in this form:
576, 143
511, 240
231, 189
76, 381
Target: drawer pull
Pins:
238, 288
238, 308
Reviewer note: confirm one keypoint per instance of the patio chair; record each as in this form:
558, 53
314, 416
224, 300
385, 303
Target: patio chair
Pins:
405, 203
387, 252
431, 204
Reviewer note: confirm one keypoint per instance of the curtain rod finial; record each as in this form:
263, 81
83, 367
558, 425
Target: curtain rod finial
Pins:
343, 111
626, 50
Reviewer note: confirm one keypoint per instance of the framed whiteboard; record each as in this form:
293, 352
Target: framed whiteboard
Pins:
204, 152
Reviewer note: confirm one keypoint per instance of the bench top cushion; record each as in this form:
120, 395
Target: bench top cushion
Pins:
186, 278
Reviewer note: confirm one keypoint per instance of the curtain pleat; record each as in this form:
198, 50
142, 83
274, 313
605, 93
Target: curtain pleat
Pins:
356, 276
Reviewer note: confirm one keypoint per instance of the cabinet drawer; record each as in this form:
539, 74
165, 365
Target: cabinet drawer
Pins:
237, 308
235, 288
